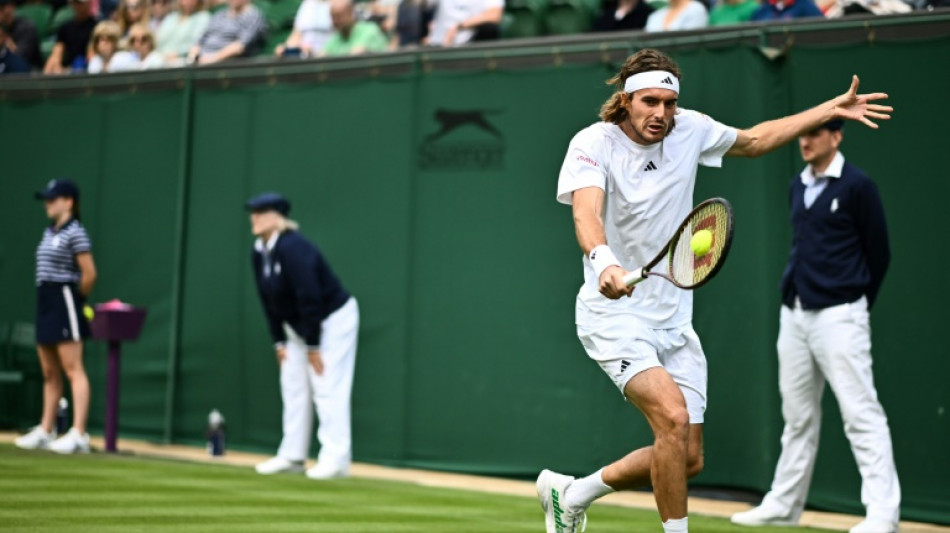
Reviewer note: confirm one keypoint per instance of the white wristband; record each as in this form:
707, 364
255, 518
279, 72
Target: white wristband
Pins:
602, 257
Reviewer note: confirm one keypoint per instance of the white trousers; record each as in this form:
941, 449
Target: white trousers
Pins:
833, 345
330, 393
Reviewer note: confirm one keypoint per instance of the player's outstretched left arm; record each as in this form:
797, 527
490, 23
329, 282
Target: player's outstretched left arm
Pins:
767, 136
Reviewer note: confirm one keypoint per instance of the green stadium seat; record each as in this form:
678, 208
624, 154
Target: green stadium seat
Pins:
519, 23
593, 7
564, 18
282, 14
523, 18
20, 376
274, 37
60, 17
39, 14
657, 4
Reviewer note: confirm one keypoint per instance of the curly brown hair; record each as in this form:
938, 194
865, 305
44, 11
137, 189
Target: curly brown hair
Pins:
643, 61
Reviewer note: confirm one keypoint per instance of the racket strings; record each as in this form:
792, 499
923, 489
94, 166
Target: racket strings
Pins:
685, 267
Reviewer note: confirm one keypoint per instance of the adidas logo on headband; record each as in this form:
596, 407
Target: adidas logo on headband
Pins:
654, 79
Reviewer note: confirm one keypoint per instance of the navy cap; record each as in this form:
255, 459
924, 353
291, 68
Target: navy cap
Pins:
58, 188
269, 201
832, 125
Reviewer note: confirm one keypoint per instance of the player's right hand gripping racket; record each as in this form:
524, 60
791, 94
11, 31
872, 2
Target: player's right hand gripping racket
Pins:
684, 268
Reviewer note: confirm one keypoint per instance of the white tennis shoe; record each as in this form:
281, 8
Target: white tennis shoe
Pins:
72, 442
875, 526
319, 471
279, 465
557, 517
36, 439
759, 516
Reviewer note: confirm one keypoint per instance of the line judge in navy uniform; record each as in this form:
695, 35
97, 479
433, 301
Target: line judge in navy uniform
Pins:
839, 256
65, 275
314, 323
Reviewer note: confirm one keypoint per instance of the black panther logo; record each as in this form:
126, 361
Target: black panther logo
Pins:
452, 120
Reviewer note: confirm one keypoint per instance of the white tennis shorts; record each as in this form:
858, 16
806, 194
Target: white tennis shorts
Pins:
624, 347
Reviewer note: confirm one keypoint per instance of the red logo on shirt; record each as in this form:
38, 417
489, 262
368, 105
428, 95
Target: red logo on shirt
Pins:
585, 159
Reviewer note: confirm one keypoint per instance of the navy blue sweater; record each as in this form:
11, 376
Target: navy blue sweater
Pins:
300, 289
838, 254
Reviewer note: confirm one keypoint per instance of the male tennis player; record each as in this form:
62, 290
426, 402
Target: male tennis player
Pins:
630, 181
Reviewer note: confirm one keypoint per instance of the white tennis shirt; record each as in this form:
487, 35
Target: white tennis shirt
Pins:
649, 192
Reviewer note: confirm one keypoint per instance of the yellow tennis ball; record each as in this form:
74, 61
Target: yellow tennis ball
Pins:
87, 310
701, 242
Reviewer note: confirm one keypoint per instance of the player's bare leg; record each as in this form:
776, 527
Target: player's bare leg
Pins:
633, 470
658, 397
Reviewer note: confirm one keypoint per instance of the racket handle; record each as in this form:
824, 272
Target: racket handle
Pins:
633, 277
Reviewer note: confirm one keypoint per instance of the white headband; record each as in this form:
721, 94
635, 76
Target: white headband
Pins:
654, 79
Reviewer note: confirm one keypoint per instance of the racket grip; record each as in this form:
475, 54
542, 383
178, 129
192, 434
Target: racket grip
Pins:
633, 277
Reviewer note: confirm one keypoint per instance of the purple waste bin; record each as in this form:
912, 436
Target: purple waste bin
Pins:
115, 322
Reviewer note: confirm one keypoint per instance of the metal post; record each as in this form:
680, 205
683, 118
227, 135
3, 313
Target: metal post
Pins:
112, 396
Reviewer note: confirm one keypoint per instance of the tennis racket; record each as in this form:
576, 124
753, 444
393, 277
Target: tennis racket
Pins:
683, 267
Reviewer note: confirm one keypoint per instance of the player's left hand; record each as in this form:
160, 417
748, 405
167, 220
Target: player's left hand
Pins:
316, 361
854, 106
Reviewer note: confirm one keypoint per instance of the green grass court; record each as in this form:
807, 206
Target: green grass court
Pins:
41, 491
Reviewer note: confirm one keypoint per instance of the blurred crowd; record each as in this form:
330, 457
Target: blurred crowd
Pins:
95, 36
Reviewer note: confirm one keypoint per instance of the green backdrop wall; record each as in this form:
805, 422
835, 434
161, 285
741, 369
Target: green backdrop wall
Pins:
464, 265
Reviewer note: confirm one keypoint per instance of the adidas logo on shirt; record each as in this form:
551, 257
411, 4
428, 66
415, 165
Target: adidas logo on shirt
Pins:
667, 81
650, 166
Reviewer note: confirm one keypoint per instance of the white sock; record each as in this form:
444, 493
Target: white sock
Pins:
676, 525
585, 490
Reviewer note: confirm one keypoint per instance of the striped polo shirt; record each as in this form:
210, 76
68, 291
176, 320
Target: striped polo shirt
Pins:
56, 254
249, 27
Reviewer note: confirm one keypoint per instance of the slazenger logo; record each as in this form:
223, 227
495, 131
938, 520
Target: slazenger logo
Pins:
454, 147
558, 524
585, 159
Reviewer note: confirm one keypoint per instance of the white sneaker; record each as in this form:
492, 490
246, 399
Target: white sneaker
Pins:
557, 517
279, 465
875, 526
327, 472
758, 516
72, 442
36, 439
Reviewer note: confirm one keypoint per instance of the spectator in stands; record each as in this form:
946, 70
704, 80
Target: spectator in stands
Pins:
142, 41
21, 35
181, 30
408, 27
729, 12
313, 29
238, 31
72, 40
159, 9
10, 62
461, 21
130, 13
104, 52
841, 8
352, 36
623, 15
786, 9
679, 15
